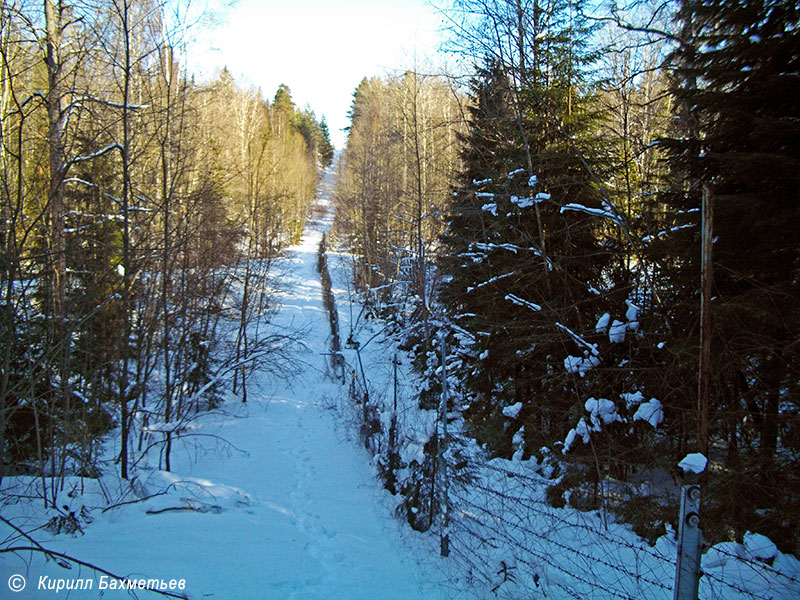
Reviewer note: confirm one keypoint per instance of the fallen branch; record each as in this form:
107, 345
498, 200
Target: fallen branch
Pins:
201, 508
33, 541
137, 500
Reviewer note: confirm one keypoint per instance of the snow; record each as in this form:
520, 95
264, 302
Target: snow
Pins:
532, 181
576, 364
602, 323
582, 429
518, 443
97, 154
490, 207
760, 546
632, 315
616, 333
522, 302
111, 102
522, 202
592, 348
787, 565
487, 282
268, 500
632, 399
78, 180
719, 554
598, 212
693, 463
512, 411
651, 412
602, 410
491, 246
731, 570
648, 238
276, 498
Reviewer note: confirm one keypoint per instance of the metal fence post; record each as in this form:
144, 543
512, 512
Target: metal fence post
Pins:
687, 572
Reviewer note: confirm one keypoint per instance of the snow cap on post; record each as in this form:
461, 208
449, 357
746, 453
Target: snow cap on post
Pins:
693, 463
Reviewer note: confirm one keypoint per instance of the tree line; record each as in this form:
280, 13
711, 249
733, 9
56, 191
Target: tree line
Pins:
394, 183
610, 246
140, 209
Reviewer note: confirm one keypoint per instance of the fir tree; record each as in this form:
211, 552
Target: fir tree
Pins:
737, 81
326, 148
523, 264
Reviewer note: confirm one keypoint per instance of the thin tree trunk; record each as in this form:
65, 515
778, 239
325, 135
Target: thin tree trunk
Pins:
707, 278
56, 154
126, 250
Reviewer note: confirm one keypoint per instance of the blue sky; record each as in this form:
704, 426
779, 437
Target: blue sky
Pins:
320, 49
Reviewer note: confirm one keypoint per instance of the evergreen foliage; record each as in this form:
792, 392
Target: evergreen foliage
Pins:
524, 262
567, 273
736, 79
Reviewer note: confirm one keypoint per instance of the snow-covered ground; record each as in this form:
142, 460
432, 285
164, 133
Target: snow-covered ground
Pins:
277, 498
273, 499
507, 539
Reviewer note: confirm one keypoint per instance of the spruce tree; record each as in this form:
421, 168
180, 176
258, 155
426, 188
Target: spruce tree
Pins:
524, 257
326, 148
737, 83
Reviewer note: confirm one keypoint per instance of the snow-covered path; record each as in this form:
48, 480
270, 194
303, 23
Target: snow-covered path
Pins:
318, 530
287, 503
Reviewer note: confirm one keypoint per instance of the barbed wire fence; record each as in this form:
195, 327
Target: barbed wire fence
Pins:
503, 534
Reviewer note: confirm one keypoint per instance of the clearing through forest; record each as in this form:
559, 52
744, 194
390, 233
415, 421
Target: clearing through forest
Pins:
272, 499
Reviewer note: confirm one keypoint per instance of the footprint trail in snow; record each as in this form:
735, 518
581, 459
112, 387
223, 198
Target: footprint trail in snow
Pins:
272, 501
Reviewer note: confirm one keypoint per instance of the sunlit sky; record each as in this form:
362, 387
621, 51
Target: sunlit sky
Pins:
320, 48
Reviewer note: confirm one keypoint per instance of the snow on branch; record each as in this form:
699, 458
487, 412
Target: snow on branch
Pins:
489, 246
90, 184
650, 412
526, 202
492, 280
578, 339
490, 207
521, 302
87, 215
112, 103
104, 150
598, 212
693, 463
19, 110
649, 238
79, 180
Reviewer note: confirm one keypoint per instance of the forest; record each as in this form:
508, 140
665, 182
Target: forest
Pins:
580, 247
602, 222
132, 199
